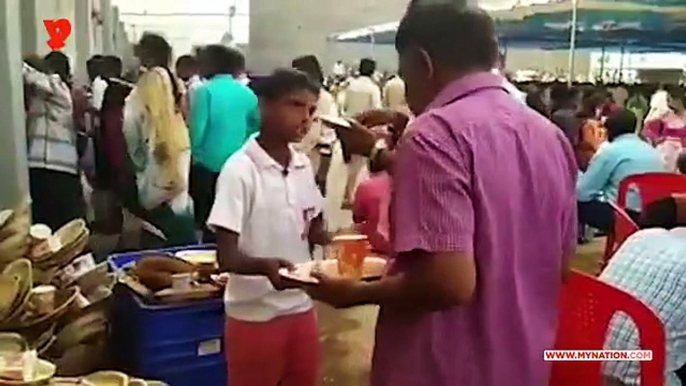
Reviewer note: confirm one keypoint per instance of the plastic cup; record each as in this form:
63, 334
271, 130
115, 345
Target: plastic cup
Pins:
350, 252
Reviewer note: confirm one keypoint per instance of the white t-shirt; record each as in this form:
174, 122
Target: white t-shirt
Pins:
98, 89
271, 211
394, 95
361, 95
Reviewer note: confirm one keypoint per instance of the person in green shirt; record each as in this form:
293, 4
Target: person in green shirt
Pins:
223, 115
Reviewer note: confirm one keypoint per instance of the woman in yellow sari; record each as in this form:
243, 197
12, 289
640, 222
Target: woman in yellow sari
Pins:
159, 147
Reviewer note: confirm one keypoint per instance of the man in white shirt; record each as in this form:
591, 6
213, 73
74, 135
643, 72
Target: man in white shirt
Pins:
659, 105
339, 70
111, 67
394, 95
266, 213
650, 266
361, 95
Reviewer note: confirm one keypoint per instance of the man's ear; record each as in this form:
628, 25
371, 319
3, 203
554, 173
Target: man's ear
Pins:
426, 62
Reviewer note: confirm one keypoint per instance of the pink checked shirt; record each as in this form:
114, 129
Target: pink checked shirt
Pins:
482, 174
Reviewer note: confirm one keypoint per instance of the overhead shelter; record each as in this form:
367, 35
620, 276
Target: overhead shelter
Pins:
657, 25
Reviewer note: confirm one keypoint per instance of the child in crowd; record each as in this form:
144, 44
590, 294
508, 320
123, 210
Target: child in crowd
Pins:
266, 213
372, 198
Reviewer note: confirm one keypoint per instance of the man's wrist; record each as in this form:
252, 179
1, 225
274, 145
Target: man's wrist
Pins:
373, 292
371, 149
373, 153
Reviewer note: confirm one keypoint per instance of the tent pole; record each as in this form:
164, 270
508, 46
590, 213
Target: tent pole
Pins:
621, 64
602, 63
572, 43
372, 40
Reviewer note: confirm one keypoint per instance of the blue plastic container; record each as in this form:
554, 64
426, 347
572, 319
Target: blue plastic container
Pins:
179, 344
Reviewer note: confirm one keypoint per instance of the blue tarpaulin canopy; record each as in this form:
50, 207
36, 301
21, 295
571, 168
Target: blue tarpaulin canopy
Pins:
636, 25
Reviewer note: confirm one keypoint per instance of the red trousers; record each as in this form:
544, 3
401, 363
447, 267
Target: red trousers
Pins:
281, 352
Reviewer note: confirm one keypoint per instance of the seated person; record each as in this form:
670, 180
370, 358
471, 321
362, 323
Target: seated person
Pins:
650, 266
624, 155
371, 198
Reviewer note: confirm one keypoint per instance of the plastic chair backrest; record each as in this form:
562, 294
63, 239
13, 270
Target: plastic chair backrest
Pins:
587, 306
651, 187
623, 228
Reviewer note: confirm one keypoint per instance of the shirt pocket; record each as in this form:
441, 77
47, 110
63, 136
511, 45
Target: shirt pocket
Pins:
307, 208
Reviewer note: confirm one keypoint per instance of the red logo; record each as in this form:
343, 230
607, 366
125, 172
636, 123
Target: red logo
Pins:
58, 30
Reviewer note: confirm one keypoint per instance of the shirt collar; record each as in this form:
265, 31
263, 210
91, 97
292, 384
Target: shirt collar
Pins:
625, 136
223, 76
467, 85
263, 160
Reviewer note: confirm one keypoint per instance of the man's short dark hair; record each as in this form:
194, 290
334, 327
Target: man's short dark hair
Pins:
58, 63
681, 162
112, 65
676, 92
222, 60
367, 67
660, 214
283, 82
620, 122
309, 64
156, 46
451, 33
185, 61
94, 66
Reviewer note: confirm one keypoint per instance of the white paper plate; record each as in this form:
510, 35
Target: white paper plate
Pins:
374, 268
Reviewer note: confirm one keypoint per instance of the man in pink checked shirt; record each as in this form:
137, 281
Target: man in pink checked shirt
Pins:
483, 217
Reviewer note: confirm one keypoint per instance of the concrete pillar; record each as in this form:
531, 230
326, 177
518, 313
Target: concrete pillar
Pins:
122, 42
107, 27
82, 34
115, 26
29, 27
96, 32
14, 170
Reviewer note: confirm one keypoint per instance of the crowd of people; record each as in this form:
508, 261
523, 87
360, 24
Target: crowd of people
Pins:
476, 197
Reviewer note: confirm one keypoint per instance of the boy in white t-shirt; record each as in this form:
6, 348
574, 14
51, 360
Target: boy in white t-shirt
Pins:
266, 214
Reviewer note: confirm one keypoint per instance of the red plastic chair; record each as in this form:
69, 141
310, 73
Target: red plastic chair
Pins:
587, 306
623, 228
651, 187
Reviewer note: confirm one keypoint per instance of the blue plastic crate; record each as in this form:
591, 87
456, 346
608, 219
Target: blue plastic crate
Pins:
181, 344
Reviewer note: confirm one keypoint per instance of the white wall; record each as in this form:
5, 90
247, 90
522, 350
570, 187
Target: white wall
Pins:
185, 23
34, 35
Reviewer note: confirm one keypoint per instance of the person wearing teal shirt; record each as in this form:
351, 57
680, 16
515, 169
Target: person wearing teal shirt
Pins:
223, 115
624, 155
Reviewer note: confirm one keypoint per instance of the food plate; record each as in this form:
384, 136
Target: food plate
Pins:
332, 120
374, 268
199, 257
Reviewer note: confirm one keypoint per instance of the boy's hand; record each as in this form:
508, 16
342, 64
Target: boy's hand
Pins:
396, 121
317, 234
271, 271
356, 140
